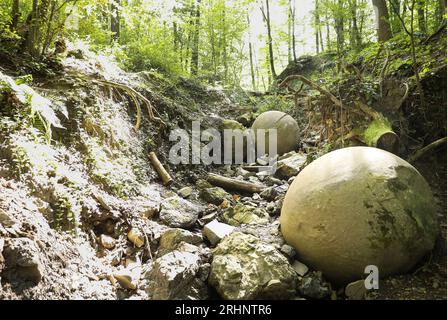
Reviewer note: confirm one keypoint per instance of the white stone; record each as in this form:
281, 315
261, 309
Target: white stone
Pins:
215, 231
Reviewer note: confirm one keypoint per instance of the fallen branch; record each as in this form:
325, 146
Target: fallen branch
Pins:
313, 85
162, 173
234, 184
337, 102
422, 152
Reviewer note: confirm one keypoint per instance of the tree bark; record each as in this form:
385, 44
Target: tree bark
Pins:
266, 15
15, 14
250, 47
33, 24
383, 26
196, 39
234, 184
421, 17
115, 20
317, 27
356, 38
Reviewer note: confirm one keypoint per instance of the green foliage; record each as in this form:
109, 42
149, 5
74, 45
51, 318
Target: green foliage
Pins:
37, 110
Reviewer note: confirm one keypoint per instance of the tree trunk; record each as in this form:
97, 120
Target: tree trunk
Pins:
340, 27
421, 17
293, 9
33, 24
115, 20
382, 20
317, 27
15, 14
266, 15
250, 47
443, 5
356, 38
195, 45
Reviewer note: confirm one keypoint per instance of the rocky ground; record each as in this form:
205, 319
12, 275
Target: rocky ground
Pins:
86, 217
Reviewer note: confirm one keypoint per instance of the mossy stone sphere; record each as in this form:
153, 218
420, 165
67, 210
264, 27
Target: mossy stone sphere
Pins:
357, 207
287, 130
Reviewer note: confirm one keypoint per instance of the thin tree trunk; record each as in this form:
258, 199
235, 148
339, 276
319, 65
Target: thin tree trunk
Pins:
266, 15
250, 47
195, 46
356, 39
293, 9
115, 20
317, 26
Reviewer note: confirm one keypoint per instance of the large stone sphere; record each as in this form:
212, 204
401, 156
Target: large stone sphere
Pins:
287, 130
357, 207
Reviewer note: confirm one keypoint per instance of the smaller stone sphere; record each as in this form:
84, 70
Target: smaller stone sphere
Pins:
287, 130
358, 207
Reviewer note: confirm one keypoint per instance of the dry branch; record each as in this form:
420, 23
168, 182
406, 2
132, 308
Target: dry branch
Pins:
233, 184
422, 152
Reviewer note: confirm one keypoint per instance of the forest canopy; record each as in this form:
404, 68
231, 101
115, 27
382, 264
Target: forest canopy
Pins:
234, 43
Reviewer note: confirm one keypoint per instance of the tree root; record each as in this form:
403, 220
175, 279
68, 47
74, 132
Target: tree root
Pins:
135, 96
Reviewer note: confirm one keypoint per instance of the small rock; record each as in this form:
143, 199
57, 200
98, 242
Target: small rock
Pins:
287, 155
171, 239
215, 195
215, 231
177, 212
290, 181
263, 161
245, 214
288, 251
244, 173
356, 290
149, 212
6, 220
272, 181
136, 236
176, 276
290, 167
107, 241
128, 278
23, 258
244, 267
102, 201
269, 194
272, 209
185, 192
207, 218
313, 286
2, 260
300, 268
246, 119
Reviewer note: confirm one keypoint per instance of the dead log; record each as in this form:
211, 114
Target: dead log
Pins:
422, 152
379, 134
234, 184
162, 173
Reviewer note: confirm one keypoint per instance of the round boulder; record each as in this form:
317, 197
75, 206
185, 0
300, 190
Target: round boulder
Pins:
357, 207
287, 127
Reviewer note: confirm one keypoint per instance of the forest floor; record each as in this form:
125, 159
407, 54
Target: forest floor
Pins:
67, 208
